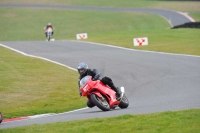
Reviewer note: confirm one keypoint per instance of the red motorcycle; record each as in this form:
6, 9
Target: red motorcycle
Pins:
101, 95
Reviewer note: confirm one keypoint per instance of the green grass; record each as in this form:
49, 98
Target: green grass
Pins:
32, 86
68, 23
181, 41
196, 16
187, 121
114, 28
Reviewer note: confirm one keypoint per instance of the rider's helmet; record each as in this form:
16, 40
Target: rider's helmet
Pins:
82, 68
49, 24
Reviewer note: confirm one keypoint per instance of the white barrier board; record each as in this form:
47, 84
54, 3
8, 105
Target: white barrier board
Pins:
140, 41
81, 36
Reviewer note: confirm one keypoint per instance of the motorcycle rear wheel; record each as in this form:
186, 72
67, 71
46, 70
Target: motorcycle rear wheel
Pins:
100, 102
124, 102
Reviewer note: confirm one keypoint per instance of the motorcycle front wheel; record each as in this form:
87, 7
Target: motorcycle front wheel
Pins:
124, 102
49, 38
100, 102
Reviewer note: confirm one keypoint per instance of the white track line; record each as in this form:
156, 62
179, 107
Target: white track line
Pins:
53, 114
37, 57
187, 16
39, 116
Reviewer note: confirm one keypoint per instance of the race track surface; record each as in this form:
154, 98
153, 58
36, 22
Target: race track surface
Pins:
154, 82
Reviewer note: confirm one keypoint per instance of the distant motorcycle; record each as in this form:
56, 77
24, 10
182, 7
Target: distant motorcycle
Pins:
101, 95
49, 33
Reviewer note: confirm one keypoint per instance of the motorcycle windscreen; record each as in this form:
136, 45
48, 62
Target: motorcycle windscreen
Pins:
84, 80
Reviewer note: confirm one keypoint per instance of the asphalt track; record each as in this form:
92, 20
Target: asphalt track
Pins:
154, 82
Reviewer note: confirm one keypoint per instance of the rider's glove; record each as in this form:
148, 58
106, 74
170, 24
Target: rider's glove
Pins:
95, 77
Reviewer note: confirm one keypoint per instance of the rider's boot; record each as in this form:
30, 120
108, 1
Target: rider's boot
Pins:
90, 104
119, 94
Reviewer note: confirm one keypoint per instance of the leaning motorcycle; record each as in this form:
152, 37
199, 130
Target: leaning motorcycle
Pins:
101, 95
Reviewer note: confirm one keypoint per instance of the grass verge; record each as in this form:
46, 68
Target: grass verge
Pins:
181, 41
68, 23
186, 121
31, 86
113, 28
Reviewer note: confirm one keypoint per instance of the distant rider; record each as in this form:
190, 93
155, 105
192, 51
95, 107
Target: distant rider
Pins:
48, 26
84, 71
1, 118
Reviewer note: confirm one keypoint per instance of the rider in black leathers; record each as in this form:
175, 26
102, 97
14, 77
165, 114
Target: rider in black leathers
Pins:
84, 71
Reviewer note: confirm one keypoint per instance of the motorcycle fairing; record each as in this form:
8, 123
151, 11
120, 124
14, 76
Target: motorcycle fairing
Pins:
107, 92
